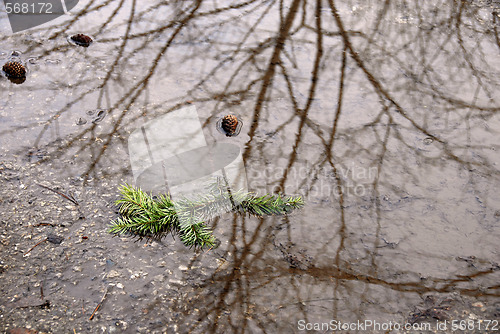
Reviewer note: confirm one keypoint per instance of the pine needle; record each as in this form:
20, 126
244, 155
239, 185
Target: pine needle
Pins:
143, 216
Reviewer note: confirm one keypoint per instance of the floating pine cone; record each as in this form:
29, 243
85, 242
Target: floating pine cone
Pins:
14, 70
82, 40
229, 124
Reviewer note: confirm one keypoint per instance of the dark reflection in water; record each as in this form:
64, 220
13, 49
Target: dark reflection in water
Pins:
382, 114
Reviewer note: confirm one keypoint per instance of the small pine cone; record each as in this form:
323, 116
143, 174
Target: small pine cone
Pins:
14, 69
229, 123
82, 40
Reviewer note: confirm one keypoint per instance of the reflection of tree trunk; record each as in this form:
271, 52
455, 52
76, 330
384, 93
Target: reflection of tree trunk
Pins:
267, 79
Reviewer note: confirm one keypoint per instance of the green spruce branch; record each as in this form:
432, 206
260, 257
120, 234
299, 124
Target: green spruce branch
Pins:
145, 216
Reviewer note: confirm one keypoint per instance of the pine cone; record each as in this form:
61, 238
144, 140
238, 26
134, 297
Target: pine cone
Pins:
14, 70
82, 40
229, 124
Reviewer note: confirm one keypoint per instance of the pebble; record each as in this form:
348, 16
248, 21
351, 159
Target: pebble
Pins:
124, 324
113, 274
55, 239
159, 278
138, 275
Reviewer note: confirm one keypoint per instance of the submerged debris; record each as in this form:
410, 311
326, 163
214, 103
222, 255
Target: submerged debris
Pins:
434, 308
81, 121
82, 40
298, 259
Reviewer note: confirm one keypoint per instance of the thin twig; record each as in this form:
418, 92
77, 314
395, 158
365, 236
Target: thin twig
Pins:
44, 224
69, 197
45, 304
100, 303
35, 246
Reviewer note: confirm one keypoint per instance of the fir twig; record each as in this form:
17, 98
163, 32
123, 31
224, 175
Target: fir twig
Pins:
143, 216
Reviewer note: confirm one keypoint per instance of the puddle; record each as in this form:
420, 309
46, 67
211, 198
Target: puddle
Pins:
383, 116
